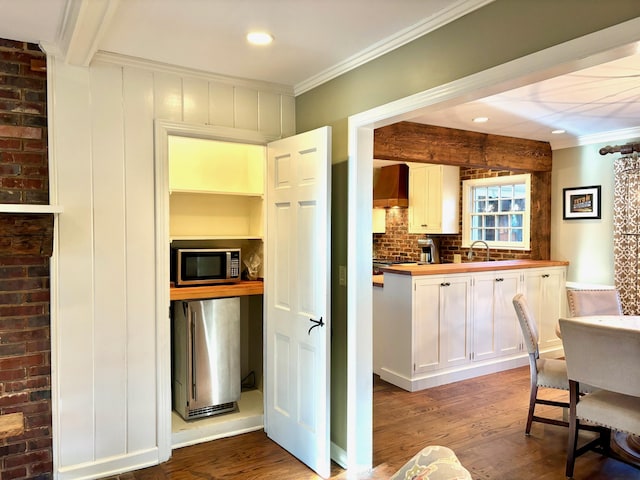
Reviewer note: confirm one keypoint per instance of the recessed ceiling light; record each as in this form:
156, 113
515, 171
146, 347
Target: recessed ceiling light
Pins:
259, 38
481, 119
557, 132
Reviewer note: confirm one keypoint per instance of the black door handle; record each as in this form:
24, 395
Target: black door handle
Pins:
316, 323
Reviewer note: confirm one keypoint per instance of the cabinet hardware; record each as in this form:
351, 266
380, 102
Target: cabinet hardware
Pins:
499, 279
546, 275
423, 225
445, 284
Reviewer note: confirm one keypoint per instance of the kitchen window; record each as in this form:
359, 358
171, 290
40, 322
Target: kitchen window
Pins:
497, 210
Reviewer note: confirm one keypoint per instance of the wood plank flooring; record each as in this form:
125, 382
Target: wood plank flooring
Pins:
481, 419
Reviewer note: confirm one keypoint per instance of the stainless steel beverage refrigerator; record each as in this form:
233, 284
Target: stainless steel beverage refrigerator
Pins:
206, 356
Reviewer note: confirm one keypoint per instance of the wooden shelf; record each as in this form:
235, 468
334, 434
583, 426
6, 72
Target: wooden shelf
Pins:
218, 291
29, 208
216, 192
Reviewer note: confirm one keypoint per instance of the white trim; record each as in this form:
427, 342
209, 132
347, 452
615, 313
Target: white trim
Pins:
602, 137
110, 58
110, 466
91, 22
339, 455
29, 208
163, 129
398, 39
598, 47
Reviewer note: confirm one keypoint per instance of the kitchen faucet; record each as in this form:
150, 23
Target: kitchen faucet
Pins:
470, 254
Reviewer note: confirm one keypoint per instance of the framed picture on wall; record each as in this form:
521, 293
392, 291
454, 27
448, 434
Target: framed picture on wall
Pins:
581, 202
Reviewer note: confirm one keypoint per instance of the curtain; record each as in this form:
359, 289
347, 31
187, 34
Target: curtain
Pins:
626, 231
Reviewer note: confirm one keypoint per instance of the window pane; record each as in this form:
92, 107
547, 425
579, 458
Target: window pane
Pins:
503, 234
490, 221
503, 220
518, 205
516, 220
479, 193
505, 205
479, 206
493, 192
476, 221
506, 191
490, 235
516, 235
475, 234
520, 191
492, 206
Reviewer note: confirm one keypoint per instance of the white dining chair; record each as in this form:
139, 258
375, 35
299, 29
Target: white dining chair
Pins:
606, 358
594, 301
544, 372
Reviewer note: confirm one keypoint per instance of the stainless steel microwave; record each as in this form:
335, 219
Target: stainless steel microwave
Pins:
204, 266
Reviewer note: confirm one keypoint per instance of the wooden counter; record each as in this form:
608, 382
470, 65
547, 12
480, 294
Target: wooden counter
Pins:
218, 291
450, 268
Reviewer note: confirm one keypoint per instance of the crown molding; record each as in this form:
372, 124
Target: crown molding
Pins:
455, 11
601, 137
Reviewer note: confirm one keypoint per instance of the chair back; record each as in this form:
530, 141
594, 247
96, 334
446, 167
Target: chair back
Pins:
594, 302
527, 323
601, 354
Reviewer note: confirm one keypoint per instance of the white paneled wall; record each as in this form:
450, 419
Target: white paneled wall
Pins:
107, 394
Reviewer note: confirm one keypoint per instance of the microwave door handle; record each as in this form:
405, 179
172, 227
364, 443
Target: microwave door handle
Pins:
228, 265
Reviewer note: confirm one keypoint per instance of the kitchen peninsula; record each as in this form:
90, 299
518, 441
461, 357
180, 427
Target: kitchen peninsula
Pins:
439, 323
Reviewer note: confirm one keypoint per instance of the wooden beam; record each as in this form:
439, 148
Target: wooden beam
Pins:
11, 425
416, 142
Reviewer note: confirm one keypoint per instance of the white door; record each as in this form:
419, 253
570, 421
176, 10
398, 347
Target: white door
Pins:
297, 296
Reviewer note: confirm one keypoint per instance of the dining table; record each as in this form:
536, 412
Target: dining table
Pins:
624, 444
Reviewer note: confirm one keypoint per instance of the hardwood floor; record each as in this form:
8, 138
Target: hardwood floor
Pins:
481, 419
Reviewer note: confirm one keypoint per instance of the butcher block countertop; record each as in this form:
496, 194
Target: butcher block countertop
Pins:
238, 289
470, 267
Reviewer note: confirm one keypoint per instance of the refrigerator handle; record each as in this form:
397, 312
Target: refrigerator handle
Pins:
192, 321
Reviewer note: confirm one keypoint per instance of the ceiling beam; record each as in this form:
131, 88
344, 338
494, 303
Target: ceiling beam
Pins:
85, 22
416, 142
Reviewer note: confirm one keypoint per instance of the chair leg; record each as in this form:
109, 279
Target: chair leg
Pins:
573, 429
532, 405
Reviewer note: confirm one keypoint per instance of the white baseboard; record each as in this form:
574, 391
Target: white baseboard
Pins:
110, 466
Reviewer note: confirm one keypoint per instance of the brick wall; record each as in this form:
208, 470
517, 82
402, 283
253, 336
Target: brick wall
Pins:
26, 242
396, 242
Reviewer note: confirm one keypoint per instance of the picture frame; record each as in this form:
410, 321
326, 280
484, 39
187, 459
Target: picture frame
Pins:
581, 203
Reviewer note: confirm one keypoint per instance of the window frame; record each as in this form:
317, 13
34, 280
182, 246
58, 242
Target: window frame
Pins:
467, 209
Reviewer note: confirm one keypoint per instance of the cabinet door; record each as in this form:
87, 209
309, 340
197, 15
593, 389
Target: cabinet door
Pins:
426, 325
506, 321
417, 214
545, 291
455, 324
485, 332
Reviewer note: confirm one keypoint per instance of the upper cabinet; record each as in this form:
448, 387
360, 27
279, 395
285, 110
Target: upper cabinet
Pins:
434, 196
216, 189
379, 219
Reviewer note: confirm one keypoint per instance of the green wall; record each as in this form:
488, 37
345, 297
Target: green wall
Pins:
501, 31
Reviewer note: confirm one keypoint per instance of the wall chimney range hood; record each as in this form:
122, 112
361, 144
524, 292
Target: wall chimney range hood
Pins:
392, 187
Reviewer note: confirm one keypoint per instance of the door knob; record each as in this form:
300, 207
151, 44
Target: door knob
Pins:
316, 323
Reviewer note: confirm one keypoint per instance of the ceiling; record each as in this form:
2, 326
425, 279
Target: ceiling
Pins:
316, 41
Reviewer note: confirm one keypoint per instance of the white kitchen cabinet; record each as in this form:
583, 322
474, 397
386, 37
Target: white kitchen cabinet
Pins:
496, 331
429, 313
434, 196
440, 322
216, 189
379, 219
546, 295
435, 329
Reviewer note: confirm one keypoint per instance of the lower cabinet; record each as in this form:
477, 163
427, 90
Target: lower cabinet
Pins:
496, 331
546, 296
432, 329
440, 322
